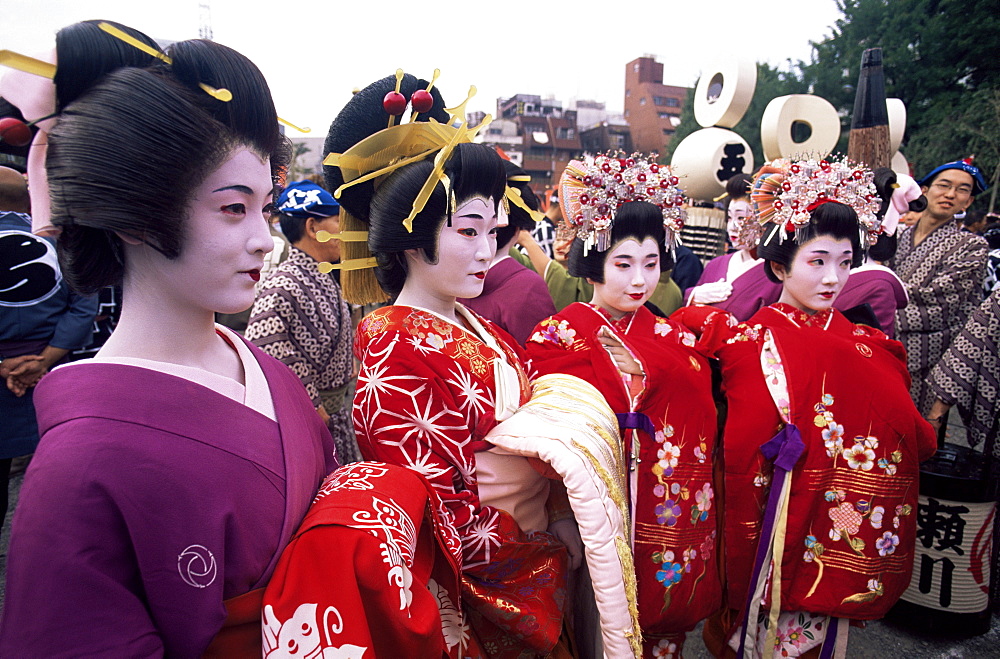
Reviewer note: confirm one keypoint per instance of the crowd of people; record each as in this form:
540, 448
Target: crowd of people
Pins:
554, 432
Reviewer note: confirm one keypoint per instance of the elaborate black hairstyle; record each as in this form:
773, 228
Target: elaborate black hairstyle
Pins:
126, 155
637, 220
85, 53
473, 170
829, 219
738, 187
885, 245
518, 218
362, 117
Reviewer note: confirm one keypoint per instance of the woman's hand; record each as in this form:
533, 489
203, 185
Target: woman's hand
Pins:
566, 532
620, 355
712, 292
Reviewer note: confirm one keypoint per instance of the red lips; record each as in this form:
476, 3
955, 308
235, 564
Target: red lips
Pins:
636, 296
254, 274
480, 275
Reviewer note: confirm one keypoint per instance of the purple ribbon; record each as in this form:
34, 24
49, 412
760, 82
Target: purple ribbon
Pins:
784, 450
636, 421
830, 640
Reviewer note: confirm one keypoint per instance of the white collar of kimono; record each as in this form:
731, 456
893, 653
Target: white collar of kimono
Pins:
256, 394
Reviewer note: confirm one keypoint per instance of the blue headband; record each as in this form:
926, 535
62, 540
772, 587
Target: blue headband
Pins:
306, 199
978, 182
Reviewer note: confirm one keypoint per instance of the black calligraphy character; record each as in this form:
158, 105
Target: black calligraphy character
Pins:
732, 163
936, 521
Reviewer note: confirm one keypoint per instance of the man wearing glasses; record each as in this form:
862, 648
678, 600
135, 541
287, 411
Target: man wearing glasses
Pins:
942, 270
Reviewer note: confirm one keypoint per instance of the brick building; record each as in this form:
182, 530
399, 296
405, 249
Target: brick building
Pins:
652, 109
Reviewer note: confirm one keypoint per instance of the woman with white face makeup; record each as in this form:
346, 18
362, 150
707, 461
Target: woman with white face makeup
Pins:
822, 444
175, 465
435, 378
653, 378
736, 282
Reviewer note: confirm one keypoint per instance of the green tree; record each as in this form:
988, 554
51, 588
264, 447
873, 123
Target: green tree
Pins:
939, 57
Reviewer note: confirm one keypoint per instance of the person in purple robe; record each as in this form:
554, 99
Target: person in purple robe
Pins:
736, 282
175, 466
873, 293
514, 297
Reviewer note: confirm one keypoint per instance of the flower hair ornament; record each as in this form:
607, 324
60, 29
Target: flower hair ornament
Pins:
786, 192
380, 154
592, 191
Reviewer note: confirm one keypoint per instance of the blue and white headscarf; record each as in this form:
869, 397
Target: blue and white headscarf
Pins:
978, 182
305, 199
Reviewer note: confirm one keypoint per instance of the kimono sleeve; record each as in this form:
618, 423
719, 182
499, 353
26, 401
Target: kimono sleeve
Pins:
415, 407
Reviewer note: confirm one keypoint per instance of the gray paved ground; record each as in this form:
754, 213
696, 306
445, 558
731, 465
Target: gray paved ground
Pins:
880, 639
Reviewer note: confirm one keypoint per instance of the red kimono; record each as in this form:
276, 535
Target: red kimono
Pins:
427, 395
673, 421
830, 400
395, 592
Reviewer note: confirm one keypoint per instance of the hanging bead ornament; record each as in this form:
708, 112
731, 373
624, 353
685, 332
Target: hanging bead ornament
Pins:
592, 191
785, 193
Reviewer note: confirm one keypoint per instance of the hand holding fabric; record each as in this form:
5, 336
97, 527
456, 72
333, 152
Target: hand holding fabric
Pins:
566, 532
620, 355
712, 292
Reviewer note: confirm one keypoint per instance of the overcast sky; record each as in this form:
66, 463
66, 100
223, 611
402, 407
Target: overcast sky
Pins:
314, 52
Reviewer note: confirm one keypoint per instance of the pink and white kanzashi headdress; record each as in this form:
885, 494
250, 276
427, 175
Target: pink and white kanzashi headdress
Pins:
591, 192
786, 192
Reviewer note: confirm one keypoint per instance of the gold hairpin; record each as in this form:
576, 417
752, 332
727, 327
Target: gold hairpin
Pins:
27, 64
343, 236
223, 95
350, 264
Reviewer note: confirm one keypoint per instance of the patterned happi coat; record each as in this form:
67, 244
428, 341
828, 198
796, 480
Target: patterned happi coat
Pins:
425, 400
943, 276
673, 427
850, 533
300, 318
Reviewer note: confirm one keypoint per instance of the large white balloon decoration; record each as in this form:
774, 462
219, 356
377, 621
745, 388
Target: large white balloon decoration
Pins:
782, 113
897, 127
707, 158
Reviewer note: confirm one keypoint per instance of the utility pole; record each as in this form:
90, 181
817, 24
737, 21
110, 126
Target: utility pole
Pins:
204, 20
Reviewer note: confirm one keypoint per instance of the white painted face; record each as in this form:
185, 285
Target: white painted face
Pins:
738, 215
631, 273
226, 238
464, 249
817, 274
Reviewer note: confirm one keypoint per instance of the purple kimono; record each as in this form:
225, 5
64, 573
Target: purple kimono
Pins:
879, 287
150, 501
752, 290
515, 298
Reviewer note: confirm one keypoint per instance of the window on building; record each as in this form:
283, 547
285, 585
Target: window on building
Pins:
663, 115
564, 133
673, 103
628, 92
660, 100
668, 131
635, 67
618, 141
626, 113
642, 101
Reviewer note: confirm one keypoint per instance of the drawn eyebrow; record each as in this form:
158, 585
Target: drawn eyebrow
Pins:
238, 188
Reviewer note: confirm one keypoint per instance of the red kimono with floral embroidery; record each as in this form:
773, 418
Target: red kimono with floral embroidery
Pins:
426, 397
849, 539
672, 497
